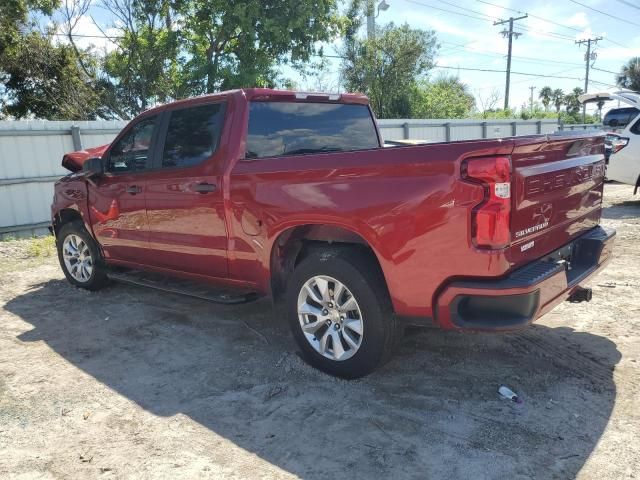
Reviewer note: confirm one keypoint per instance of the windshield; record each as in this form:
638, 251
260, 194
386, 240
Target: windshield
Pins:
298, 128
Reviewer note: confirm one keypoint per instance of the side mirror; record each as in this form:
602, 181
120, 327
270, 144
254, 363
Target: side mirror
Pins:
93, 166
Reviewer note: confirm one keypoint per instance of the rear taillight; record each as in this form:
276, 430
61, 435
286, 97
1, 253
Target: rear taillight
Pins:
490, 220
615, 142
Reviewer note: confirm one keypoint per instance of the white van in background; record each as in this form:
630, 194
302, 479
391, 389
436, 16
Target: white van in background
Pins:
623, 137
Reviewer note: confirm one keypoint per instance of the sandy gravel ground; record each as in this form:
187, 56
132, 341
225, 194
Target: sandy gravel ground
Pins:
132, 383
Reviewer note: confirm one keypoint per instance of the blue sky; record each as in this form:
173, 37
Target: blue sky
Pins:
468, 39
547, 46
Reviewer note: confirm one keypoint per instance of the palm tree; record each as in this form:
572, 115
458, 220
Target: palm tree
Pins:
572, 102
545, 95
629, 76
558, 99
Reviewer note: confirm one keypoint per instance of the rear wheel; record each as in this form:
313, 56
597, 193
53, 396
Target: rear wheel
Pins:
340, 313
79, 257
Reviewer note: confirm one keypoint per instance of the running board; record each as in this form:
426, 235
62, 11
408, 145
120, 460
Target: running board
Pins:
182, 287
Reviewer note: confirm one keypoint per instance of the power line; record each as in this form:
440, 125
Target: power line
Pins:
605, 84
605, 13
447, 11
488, 17
547, 21
78, 35
607, 71
629, 4
520, 57
528, 29
504, 71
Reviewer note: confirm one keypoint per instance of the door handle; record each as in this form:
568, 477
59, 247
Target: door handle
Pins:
134, 189
204, 187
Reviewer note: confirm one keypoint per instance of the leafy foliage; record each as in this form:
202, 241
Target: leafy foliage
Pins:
144, 68
572, 104
557, 97
166, 49
389, 67
237, 43
45, 80
446, 97
629, 76
545, 95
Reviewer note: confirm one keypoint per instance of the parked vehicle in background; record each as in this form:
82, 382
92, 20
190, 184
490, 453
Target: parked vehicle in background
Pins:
623, 135
292, 195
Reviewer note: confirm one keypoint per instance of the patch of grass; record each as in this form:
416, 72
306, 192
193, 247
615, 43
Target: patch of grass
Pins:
42, 246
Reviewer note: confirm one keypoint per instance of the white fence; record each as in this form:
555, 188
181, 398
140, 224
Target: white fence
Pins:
31, 152
30, 156
452, 130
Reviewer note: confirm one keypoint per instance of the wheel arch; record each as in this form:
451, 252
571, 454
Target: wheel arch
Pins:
64, 216
295, 242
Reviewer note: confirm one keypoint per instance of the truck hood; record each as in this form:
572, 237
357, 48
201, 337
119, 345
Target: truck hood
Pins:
73, 161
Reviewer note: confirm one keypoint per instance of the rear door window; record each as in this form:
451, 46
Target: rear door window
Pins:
298, 128
193, 135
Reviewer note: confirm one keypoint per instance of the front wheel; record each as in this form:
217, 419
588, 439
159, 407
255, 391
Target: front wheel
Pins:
79, 257
340, 313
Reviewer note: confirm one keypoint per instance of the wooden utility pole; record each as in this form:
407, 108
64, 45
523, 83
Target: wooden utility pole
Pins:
587, 58
509, 34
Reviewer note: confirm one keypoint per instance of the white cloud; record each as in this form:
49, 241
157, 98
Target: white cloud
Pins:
579, 20
88, 35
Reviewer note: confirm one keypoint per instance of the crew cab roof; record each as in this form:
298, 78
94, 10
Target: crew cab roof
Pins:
268, 94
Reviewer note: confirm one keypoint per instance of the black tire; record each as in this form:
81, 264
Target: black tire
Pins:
359, 272
98, 277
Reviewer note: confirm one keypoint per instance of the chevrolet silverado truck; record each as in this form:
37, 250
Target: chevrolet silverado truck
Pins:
292, 195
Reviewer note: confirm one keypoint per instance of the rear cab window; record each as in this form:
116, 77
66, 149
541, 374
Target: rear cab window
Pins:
298, 128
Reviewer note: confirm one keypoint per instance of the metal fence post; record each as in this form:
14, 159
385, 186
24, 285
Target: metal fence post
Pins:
514, 129
484, 129
405, 130
539, 127
447, 132
77, 139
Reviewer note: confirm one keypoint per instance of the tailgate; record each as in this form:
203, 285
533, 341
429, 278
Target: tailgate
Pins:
557, 183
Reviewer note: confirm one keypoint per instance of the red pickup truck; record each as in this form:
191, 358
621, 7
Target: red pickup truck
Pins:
292, 195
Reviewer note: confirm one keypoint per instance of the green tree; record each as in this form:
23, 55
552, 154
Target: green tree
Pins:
45, 80
238, 43
571, 101
14, 18
144, 69
446, 97
545, 96
388, 68
629, 76
558, 99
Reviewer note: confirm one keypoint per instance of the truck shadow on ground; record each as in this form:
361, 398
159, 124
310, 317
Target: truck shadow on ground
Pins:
432, 412
623, 210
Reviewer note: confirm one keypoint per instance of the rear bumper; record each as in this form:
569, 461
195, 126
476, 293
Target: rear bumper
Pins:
528, 292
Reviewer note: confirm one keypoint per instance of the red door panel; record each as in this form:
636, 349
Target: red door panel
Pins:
119, 217
187, 230
186, 223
